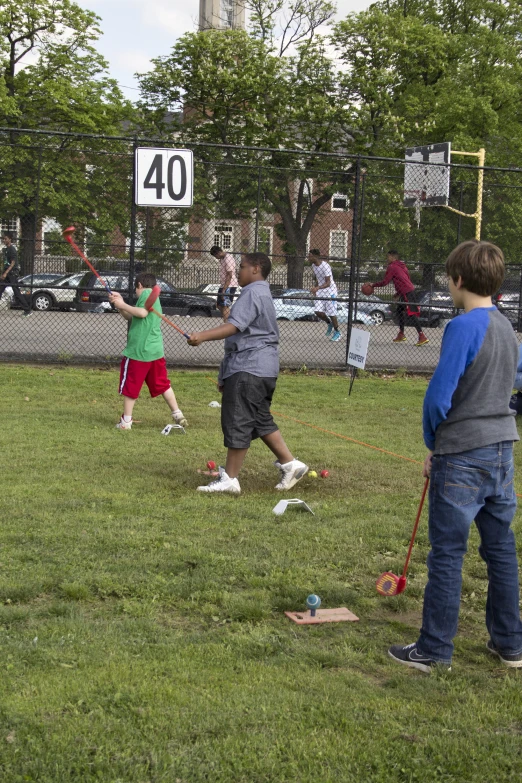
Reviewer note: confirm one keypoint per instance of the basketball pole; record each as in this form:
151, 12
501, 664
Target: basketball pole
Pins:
481, 155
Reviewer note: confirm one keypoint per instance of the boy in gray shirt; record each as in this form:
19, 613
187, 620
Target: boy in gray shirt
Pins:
247, 378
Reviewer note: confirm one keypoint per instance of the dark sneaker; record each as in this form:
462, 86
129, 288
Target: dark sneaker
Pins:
515, 403
27, 313
513, 660
410, 656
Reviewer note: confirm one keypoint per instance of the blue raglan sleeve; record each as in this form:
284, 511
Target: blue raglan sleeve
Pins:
462, 340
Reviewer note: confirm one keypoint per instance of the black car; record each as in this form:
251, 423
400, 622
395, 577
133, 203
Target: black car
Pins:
436, 308
91, 294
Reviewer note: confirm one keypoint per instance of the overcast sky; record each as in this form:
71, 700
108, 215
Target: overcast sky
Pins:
134, 31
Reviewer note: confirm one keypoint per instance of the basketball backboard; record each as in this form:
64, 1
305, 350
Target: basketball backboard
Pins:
427, 185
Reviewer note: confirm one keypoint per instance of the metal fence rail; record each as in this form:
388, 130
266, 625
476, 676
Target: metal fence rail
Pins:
283, 203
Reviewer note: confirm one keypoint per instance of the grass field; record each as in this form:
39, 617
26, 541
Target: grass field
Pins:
142, 634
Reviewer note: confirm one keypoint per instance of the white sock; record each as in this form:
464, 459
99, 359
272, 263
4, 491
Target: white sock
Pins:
127, 419
176, 412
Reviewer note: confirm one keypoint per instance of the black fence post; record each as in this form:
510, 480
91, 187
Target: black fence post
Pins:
147, 217
519, 312
256, 236
353, 254
132, 247
36, 211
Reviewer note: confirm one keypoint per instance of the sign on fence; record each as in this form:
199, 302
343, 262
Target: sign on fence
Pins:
164, 177
358, 349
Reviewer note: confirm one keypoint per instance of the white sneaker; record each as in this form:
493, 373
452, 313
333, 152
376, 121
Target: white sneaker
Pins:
179, 418
124, 425
291, 473
223, 484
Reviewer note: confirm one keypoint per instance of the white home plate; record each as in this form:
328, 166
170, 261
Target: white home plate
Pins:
281, 507
169, 427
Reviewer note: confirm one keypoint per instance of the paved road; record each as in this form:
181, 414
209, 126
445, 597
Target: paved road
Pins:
101, 337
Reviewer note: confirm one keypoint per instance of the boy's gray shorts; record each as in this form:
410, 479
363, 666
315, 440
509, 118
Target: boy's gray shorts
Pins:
245, 411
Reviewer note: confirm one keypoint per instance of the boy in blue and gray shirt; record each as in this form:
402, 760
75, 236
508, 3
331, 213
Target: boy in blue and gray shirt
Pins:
247, 378
469, 430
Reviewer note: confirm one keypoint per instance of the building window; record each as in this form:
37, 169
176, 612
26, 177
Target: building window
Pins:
338, 245
227, 13
9, 224
339, 202
223, 236
264, 240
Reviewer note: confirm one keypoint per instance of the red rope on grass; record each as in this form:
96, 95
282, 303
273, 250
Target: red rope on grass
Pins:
345, 437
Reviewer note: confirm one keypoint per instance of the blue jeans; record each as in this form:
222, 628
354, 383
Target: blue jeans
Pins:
474, 485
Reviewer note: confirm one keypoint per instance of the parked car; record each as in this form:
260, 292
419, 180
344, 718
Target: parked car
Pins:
289, 307
372, 305
28, 280
211, 290
436, 308
508, 302
91, 294
49, 291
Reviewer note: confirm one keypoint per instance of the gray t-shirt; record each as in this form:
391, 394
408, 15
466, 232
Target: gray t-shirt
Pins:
467, 401
255, 347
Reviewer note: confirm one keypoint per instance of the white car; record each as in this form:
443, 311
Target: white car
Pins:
290, 307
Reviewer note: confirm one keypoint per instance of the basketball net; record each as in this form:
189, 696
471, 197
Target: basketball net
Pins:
420, 197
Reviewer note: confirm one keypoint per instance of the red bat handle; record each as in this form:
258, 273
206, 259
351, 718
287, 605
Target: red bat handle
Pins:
67, 235
160, 315
416, 525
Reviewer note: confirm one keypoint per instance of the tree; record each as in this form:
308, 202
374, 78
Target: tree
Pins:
239, 88
423, 71
52, 78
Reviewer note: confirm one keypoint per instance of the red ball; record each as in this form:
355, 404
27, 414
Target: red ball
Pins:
211, 465
367, 289
324, 473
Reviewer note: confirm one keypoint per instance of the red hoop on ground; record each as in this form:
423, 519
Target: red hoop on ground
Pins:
389, 584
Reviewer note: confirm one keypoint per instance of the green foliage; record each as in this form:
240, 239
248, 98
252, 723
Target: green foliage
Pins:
233, 88
161, 238
52, 77
437, 70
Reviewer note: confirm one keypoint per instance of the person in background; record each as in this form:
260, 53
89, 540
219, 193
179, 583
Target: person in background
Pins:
227, 280
9, 275
325, 293
397, 273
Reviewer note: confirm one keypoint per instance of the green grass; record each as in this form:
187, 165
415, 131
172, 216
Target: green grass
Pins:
142, 634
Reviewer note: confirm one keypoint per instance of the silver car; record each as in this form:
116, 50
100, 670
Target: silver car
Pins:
59, 294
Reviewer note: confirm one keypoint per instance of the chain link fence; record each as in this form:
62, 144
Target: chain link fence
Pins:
350, 209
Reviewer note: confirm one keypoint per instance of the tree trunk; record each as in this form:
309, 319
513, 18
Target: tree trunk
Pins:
295, 270
27, 243
428, 276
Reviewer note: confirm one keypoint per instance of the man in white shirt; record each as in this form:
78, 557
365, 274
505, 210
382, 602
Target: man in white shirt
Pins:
227, 280
325, 293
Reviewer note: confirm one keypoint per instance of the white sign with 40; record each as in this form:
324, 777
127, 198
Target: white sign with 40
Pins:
164, 177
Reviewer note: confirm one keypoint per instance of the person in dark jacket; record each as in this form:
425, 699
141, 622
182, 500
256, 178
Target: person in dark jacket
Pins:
9, 274
397, 273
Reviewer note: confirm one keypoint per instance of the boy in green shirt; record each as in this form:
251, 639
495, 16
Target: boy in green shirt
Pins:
143, 357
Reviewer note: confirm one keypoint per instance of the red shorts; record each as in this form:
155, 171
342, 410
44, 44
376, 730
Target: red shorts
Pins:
134, 373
